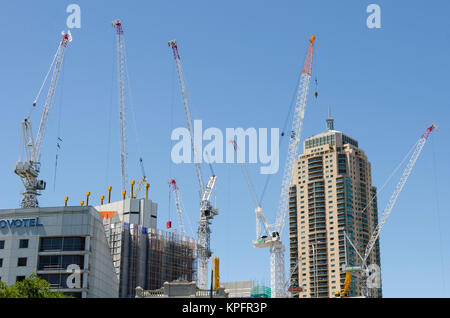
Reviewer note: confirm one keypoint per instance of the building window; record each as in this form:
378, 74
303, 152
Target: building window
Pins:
58, 280
1, 262
2, 245
62, 244
20, 278
23, 244
22, 261
59, 262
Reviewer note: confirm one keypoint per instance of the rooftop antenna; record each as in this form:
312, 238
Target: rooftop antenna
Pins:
330, 120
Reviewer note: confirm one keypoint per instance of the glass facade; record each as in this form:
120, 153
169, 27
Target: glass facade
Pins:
319, 141
59, 262
52, 244
58, 280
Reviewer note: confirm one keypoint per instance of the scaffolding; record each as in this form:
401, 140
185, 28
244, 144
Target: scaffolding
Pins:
260, 292
171, 257
147, 257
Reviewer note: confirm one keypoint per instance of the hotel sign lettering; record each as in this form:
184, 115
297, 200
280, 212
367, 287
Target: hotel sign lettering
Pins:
17, 223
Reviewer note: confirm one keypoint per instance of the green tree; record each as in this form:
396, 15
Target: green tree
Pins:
30, 287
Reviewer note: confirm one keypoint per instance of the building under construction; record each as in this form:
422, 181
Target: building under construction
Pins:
147, 257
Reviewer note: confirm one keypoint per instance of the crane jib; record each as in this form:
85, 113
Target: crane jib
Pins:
28, 171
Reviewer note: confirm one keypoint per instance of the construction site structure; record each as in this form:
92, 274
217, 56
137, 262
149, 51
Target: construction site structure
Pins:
269, 235
142, 255
136, 211
147, 257
207, 212
28, 170
122, 82
367, 269
121, 65
260, 291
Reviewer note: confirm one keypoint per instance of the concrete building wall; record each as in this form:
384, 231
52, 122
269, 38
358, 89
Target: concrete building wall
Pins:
240, 289
98, 277
135, 211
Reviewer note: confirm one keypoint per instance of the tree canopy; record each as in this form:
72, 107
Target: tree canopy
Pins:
30, 287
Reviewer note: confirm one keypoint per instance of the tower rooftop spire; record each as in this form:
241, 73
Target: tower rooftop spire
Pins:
330, 121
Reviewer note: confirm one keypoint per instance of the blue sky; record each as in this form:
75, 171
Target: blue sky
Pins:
241, 61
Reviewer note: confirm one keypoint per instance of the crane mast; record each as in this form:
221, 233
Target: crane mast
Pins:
176, 192
117, 24
207, 212
29, 169
273, 240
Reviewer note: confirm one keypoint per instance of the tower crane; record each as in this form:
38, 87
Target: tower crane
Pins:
28, 170
207, 212
273, 232
176, 192
117, 24
122, 70
365, 268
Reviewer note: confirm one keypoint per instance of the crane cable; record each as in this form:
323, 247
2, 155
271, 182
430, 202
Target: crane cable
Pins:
381, 190
108, 143
391, 175
286, 122
171, 129
138, 143
58, 138
172, 105
170, 200
43, 83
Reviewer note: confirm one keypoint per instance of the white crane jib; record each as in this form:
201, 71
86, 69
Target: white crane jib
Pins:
187, 111
29, 169
117, 24
207, 212
273, 240
387, 211
176, 192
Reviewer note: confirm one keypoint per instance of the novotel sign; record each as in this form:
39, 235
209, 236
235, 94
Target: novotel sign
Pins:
17, 223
